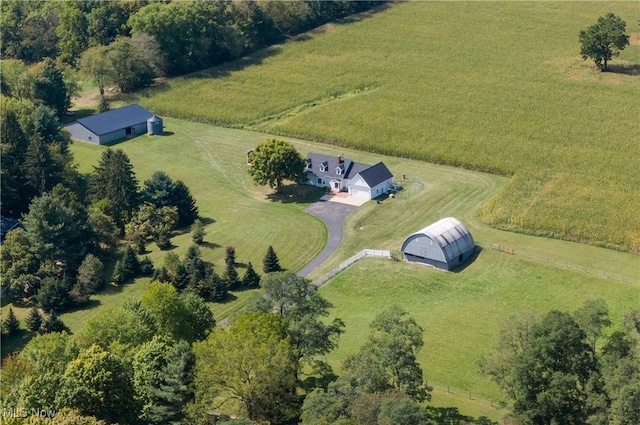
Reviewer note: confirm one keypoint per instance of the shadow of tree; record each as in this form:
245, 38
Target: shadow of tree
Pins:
210, 245
626, 69
451, 416
14, 343
296, 193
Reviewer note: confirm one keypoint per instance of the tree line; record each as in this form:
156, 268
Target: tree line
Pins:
566, 368
128, 43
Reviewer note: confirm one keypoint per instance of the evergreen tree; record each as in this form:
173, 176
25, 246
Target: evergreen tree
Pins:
49, 86
91, 274
251, 278
15, 199
40, 169
58, 229
53, 294
10, 324
53, 324
231, 276
213, 287
34, 320
230, 256
197, 232
130, 262
162, 191
126, 267
271, 262
113, 179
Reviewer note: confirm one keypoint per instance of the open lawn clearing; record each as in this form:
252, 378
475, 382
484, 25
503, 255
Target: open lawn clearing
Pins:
210, 160
212, 163
461, 313
484, 85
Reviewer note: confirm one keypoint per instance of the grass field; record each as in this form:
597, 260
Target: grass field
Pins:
494, 86
462, 313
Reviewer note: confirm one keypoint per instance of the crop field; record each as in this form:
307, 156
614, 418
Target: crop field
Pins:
495, 86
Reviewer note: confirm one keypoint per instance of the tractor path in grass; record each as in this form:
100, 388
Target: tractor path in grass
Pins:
332, 215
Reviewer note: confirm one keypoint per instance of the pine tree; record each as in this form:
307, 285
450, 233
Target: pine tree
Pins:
10, 324
231, 276
172, 391
130, 262
53, 324
197, 232
270, 262
34, 320
230, 256
251, 278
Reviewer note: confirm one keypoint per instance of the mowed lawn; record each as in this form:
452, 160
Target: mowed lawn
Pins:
462, 313
496, 86
211, 161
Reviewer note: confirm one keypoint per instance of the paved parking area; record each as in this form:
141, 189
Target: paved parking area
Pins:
344, 198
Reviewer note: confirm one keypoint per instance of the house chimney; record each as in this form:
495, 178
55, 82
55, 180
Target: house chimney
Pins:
340, 160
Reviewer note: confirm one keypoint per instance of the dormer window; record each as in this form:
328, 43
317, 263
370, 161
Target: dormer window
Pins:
340, 169
307, 164
324, 166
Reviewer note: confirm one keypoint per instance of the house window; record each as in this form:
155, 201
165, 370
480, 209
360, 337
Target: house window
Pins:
319, 181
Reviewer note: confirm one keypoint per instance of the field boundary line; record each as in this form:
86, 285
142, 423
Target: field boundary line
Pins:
364, 253
603, 274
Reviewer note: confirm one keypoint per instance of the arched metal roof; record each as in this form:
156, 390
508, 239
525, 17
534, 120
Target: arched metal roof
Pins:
449, 234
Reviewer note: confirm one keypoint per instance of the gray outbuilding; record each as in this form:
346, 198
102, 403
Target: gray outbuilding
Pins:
445, 244
111, 126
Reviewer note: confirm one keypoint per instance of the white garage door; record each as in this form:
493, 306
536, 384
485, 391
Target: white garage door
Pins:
360, 192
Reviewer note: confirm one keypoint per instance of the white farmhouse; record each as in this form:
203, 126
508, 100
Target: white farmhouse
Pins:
340, 174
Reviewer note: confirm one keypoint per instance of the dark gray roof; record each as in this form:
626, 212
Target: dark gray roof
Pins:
116, 119
376, 174
351, 168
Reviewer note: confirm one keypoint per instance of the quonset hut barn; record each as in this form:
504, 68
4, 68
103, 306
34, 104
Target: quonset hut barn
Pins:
444, 244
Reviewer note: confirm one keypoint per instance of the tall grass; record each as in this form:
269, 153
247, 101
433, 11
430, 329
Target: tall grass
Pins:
494, 86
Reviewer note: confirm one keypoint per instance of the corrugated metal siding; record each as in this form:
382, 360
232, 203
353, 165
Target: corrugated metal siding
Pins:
447, 241
81, 133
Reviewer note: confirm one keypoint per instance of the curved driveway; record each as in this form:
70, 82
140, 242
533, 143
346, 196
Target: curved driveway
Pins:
332, 215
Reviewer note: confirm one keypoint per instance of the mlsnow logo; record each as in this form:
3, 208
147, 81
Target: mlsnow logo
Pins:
21, 412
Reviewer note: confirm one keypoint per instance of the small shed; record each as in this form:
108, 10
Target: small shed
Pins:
154, 125
445, 244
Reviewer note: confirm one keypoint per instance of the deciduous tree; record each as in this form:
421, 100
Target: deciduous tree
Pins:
297, 300
604, 40
274, 161
250, 362
388, 359
98, 384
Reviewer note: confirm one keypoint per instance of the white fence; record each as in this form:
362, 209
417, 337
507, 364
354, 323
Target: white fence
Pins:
350, 261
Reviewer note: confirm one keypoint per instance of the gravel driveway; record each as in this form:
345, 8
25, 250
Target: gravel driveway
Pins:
332, 215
